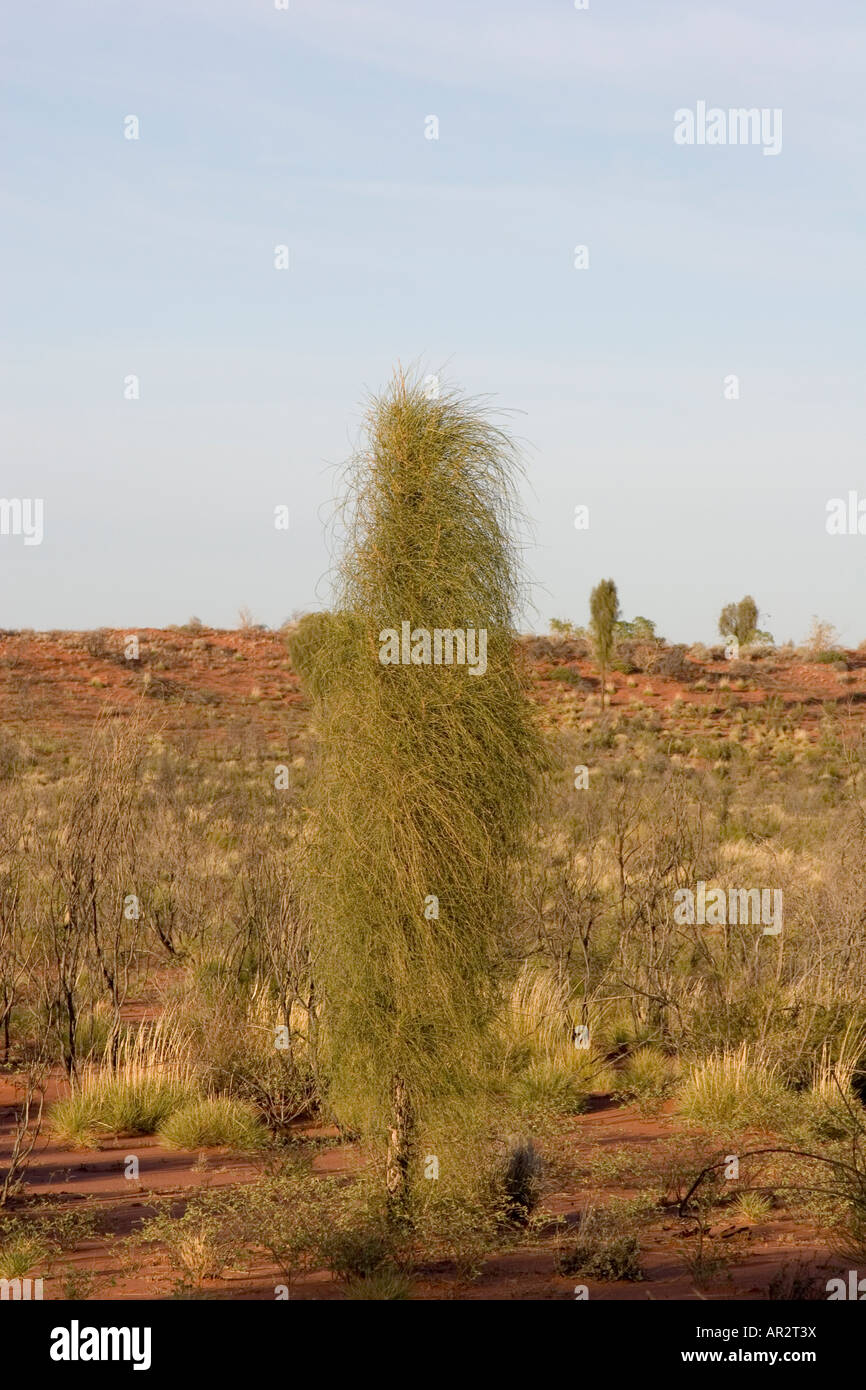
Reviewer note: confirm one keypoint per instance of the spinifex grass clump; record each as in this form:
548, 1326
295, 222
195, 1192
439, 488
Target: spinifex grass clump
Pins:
426, 772
154, 1076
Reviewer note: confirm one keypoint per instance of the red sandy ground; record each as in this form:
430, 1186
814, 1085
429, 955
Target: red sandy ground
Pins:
222, 686
94, 1179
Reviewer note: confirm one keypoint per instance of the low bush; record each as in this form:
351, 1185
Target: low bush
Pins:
214, 1122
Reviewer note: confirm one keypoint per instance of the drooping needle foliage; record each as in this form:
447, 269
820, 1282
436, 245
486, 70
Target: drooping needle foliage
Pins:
426, 771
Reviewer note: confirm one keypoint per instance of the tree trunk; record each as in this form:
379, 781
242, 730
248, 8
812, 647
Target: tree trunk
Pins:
399, 1156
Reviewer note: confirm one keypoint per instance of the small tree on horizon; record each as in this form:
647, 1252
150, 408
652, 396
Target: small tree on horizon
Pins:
740, 620
604, 614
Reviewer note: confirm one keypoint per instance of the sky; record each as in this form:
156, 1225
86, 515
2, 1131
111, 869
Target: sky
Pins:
696, 381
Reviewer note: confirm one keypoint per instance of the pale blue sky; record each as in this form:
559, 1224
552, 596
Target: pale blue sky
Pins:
261, 127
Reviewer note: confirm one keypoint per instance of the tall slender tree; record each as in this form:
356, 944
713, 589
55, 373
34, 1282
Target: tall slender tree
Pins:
604, 612
426, 768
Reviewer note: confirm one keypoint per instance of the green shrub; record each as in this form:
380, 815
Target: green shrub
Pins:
729, 1091
20, 1253
34, 1243
214, 1122
601, 1253
752, 1207
549, 1086
201, 1242
648, 1076
386, 1285
564, 673
116, 1105
290, 1214
359, 1252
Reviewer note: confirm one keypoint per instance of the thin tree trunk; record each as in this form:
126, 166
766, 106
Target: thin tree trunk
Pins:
400, 1136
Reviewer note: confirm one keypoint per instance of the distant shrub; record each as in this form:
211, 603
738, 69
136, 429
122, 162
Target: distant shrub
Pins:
740, 621
821, 637
561, 627
567, 674
638, 629
673, 664
556, 648
96, 642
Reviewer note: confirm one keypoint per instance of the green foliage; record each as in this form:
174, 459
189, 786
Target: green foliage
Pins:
552, 1087
289, 1213
740, 620
21, 1253
34, 1244
731, 1092
388, 1285
116, 1105
361, 1241
564, 673
201, 1242
638, 630
319, 643
214, 1122
564, 628
604, 613
602, 1250
425, 775
752, 1207
648, 1077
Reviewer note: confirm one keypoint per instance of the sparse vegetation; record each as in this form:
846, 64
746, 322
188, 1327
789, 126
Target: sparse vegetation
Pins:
391, 916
